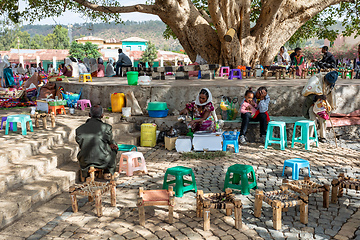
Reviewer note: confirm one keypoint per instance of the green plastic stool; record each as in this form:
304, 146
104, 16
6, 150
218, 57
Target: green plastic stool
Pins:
240, 173
126, 147
21, 118
179, 181
305, 134
271, 139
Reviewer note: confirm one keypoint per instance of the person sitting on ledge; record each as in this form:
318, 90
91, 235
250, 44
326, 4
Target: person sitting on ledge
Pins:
123, 61
201, 109
262, 100
97, 147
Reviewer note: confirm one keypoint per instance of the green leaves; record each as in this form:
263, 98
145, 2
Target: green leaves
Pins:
80, 51
150, 54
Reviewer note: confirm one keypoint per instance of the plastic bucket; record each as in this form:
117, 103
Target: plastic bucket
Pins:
126, 111
132, 78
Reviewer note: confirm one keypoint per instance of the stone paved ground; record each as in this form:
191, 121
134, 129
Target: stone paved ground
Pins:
55, 220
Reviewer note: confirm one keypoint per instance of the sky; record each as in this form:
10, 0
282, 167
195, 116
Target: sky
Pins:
72, 18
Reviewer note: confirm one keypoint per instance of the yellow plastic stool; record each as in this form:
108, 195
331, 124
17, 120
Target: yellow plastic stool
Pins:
85, 77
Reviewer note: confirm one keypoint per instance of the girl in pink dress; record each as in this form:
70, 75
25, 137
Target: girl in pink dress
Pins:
249, 105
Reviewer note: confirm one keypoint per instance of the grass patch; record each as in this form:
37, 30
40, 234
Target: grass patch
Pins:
205, 155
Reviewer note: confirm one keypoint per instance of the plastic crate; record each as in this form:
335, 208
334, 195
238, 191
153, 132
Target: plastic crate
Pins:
57, 103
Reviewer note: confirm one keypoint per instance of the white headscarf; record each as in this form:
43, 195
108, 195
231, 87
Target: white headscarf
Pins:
197, 101
109, 72
67, 61
86, 62
20, 69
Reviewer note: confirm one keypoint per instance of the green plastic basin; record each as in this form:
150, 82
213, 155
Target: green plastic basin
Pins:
157, 106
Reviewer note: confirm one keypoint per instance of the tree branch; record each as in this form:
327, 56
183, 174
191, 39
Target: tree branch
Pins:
143, 8
217, 17
205, 16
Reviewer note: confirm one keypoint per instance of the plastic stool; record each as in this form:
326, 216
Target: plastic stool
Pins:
179, 181
132, 163
23, 119
226, 73
83, 103
3, 119
305, 134
85, 77
231, 138
126, 147
238, 75
269, 135
57, 109
240, 173
296, 164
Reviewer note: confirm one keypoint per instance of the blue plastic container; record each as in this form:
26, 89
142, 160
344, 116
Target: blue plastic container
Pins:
158, 113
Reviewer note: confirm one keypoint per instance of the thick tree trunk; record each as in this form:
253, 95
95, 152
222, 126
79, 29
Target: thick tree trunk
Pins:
278, 21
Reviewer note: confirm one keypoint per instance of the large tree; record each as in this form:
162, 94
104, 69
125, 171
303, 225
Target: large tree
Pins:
261, 26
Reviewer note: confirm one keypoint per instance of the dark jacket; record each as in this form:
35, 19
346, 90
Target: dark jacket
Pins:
94, 139
329, 59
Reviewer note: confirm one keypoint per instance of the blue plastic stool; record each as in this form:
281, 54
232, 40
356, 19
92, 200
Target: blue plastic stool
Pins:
231, 138
296, 164
23, 119
271, 139
305, 137
3, 119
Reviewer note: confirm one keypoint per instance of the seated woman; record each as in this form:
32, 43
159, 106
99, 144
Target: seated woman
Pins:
93, 67
109, 72
201, 109
101, 68
283, 58
67, 70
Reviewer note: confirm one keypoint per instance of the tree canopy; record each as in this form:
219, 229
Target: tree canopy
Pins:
150, 54
261, 26
80, 51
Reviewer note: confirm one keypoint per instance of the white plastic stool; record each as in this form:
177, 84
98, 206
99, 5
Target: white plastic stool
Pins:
132, 163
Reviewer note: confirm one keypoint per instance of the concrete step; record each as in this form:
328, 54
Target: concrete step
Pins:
16, 202
123, 128
22, 171
129, 138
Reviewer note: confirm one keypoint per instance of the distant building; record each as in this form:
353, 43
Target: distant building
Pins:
111, 43
134, 44
341, 40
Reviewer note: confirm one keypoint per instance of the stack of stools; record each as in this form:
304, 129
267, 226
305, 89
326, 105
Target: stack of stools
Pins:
95, 190
83, 103
342, 182
240, 174
305, 137
179, 172
280, 200
296, 164
270, 136
231, 138
155, 198
132, 163
308, 187
21, 118
226, 200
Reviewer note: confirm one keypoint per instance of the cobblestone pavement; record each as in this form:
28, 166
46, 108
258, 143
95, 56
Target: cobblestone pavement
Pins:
55, 219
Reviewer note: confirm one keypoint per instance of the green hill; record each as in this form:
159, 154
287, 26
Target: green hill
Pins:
149, 30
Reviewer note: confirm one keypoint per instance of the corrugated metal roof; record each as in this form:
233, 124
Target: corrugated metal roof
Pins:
134, 39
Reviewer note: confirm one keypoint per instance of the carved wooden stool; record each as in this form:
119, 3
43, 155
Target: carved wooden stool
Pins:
308, 187
155, 198
280, 200
95, 190
43, 117
226, 200
342, 182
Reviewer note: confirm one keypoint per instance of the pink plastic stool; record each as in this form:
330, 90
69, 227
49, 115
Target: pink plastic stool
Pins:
226, 73
83, 103
132, 163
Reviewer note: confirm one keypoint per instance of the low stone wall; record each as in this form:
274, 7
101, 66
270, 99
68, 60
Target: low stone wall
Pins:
285, 100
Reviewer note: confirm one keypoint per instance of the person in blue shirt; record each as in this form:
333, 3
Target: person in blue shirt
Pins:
262, 99
123, 61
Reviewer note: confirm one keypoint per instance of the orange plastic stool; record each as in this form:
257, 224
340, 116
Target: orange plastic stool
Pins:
57, 109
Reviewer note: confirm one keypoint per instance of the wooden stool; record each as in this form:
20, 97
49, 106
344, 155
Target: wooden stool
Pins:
43, 117
85, 77
57, 109
342, 182
155, 198
93, 189
204, 202
308, 187
280, 200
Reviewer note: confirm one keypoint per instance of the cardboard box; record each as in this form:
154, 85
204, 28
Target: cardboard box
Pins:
170, 143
